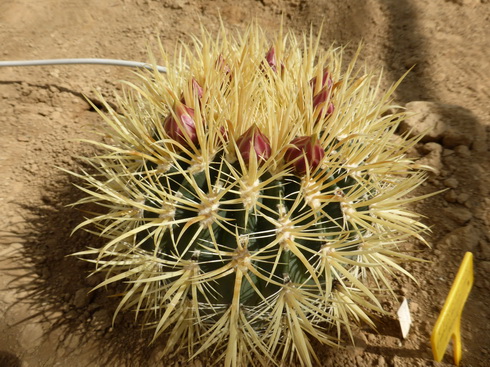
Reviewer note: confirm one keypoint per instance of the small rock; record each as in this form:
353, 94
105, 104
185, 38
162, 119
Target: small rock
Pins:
371, 338
480, 145
459, 214
462, 198
453, 138
463, 151
432, 158
431, 147
54, 73
451, 183
414, 307
450, 196
381, 361
423, 118
360, 345
450, 124
82, 297
93, 280
447, 152
463, 238
23, 138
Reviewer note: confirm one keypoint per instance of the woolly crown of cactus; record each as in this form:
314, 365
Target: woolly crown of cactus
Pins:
254, 197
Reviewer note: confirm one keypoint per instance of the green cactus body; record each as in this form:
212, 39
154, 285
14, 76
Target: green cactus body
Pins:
255, 197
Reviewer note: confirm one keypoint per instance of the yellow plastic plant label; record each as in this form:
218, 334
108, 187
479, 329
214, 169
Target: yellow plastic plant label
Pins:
449, 322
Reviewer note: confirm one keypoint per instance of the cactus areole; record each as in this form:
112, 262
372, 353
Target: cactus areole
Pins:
249, 208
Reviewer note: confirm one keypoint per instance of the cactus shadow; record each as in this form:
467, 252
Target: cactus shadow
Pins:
407, 49
48, 281
457, 217
8, 359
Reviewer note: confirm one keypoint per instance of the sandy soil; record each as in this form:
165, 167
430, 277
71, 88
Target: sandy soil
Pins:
46, 316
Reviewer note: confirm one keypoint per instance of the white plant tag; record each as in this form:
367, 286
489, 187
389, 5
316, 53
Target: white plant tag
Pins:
404, 318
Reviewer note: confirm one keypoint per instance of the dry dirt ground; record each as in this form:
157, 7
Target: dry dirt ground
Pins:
46, 316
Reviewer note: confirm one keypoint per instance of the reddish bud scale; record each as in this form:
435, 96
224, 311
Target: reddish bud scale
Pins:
253, 137
270, 57
327, 81
325, 94
223, 133
174, 129
320, 98
319, 101
306, 151
196, 90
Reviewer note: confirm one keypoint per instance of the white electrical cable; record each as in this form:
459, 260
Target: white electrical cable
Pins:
114, 62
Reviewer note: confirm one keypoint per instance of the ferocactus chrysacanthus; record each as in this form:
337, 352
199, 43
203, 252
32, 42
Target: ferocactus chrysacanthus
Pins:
254, 197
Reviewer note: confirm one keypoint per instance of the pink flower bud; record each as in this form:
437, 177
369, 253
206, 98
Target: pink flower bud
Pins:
270, 57
196, 88
319, 102
326, 81
320, 98
175, 130
253, 137
306, 150
283, 70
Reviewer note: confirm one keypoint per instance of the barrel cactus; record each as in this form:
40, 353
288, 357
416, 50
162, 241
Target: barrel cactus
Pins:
254, 197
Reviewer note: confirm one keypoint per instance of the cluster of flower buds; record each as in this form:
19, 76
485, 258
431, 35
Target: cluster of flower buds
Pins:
306, 153
322, 91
